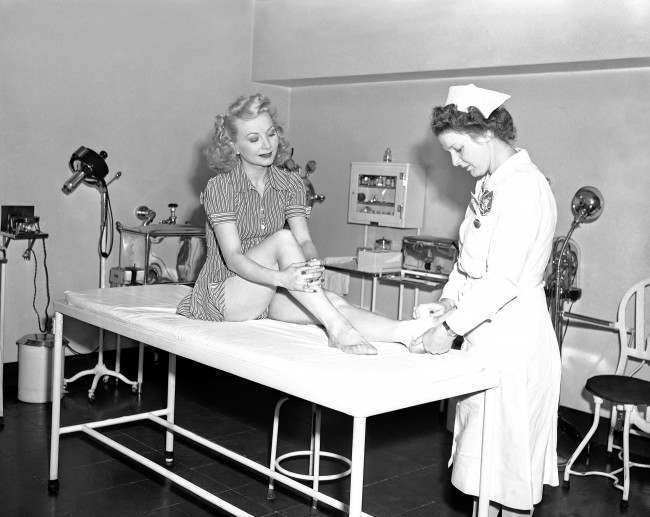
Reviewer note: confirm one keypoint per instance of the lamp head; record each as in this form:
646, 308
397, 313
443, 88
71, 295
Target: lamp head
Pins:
87, 166
587, 205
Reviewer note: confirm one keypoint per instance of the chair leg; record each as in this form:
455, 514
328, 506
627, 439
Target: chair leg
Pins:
270, 495
626, 456
140, 366
118, 356
612, 427
316, 454
312, 437
567, 470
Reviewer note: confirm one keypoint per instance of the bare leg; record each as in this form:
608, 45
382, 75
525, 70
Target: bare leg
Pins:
373, 327
493, 510
376, 327
246, 300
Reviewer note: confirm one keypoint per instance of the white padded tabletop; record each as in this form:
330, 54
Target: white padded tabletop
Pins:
294, 359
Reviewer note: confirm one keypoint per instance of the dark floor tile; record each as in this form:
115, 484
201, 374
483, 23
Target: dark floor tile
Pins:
168, 511
406, 472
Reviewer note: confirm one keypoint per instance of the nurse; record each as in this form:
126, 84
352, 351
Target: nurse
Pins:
495, 299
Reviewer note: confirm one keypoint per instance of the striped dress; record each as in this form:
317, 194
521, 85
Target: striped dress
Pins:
231, 198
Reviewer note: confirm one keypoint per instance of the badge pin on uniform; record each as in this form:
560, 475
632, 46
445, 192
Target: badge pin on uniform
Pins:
484, 205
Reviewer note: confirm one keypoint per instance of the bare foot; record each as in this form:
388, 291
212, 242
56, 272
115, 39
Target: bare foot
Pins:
349, 340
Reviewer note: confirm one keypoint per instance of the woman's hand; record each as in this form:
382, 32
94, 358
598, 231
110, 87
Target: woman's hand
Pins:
437, 341
432, 310
318, 263
302, 276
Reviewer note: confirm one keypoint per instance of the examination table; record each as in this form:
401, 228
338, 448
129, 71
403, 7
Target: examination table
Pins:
294, 359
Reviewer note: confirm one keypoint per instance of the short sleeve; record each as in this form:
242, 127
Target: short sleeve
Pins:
296, 205
219, 200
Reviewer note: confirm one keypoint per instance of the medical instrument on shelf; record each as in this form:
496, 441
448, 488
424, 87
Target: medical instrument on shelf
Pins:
145, 214
159, 253
91, 168
172, 214
383, 244
386, 194
379, 261
428, 254
7, 237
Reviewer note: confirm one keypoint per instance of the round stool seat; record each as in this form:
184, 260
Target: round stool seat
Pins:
309, 477
620, 389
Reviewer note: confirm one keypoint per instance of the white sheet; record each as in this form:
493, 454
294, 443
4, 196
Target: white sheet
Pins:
294, 359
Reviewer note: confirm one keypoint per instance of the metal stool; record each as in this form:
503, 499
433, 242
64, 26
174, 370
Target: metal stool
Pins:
314, 453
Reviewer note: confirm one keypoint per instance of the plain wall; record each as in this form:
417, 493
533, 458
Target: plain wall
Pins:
369, 38
142, 80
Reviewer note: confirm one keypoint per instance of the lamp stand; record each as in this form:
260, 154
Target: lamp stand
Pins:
556, 316
3, 263
556, 306
101, 371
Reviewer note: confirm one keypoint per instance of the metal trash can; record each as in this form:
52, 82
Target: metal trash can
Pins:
35, 353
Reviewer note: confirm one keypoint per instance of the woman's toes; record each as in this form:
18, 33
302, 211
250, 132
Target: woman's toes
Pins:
360, 349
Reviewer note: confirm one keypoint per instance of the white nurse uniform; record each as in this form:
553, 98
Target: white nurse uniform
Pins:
497, 285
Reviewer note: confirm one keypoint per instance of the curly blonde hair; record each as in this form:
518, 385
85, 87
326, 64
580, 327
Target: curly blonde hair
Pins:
221, 153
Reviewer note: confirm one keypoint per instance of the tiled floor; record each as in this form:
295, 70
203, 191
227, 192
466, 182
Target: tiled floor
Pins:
406, 455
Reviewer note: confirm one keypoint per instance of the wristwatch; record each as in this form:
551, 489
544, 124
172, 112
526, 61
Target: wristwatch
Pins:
450, 332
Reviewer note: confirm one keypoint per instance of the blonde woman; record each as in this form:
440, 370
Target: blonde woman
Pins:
255, 268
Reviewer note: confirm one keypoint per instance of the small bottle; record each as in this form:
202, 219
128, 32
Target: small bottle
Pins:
388, 155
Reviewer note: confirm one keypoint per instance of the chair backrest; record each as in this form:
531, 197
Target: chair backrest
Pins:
631, 323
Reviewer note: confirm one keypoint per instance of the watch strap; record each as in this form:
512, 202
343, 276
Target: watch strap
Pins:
450, 332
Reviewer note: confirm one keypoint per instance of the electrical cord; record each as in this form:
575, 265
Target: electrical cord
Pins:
106, 231
47, 325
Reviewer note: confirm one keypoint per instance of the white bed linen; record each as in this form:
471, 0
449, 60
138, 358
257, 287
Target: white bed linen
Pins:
291, 358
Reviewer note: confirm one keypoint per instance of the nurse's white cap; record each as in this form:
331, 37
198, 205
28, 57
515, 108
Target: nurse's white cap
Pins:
466, 95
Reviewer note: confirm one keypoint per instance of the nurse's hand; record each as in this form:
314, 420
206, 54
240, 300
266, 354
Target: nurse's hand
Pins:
434, 341
432, 310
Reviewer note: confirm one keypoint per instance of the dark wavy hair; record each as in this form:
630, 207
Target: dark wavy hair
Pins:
221, 153
449, 118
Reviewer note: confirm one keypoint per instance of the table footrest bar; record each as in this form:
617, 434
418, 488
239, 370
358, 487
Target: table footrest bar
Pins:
335, 503
112, 421
166, 473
